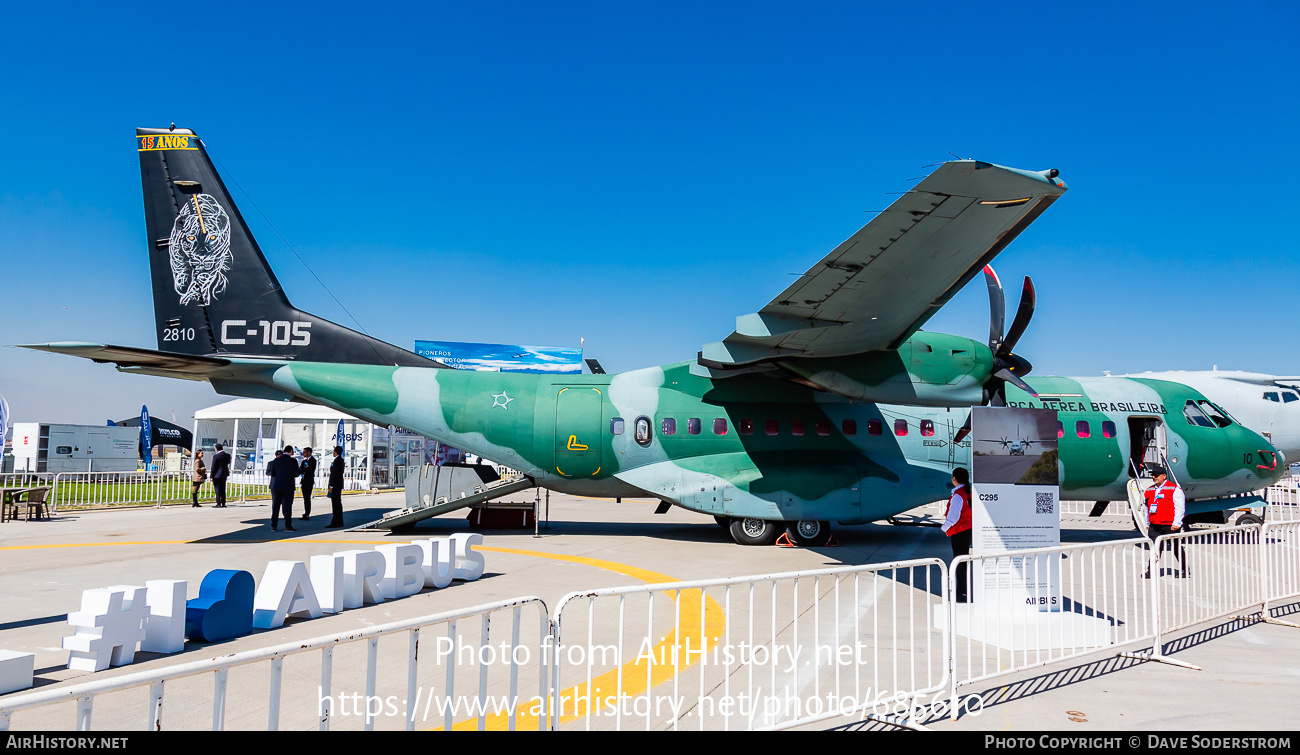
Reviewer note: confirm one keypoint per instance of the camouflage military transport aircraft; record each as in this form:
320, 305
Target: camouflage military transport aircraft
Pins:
828, 404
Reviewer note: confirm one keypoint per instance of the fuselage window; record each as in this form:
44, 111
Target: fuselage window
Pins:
1270, 396
616, 426
900, 427
668, 426
1107, 429
643, 430
1082, 429
693, 425
771, 427
1195, 416
850, 426
823, 427
796, 427
720, 427
927, 428
746, 426
874, 427
1219, 416
1060, 429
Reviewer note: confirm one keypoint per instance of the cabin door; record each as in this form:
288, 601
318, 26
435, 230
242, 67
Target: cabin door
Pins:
1148, 444
577, 431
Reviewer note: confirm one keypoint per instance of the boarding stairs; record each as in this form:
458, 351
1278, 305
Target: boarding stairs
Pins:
437, 491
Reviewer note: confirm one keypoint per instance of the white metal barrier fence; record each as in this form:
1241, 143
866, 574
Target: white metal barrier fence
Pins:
1280, 545
84, 489
768, 651
401, 687
26, 479
1034, 607
1201, 575
1283, 502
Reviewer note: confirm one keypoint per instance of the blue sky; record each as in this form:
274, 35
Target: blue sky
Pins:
638, 174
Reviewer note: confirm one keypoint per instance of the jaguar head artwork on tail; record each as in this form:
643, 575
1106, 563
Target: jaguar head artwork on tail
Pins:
199, 250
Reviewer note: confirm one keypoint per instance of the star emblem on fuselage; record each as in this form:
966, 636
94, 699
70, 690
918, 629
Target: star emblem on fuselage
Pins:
501, 400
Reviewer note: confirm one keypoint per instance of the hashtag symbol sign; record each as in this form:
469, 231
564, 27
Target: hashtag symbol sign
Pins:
109, 626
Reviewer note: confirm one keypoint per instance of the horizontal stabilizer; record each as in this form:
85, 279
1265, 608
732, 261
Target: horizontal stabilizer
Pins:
129, 356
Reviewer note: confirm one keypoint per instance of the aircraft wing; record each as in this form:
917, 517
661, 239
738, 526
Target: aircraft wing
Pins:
877, 288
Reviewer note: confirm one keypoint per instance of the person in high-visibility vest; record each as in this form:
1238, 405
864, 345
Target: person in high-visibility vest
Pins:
1166, 505
956, 525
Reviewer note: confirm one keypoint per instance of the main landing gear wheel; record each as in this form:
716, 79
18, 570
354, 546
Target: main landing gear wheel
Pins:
808, 532
754, 531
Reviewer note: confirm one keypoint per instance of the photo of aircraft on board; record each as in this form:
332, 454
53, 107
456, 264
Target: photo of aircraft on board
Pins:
827, 404
1012, 458
1014, 444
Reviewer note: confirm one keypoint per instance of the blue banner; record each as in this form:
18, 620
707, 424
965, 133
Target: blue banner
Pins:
146, 437
503, 357
339, 437
4, 422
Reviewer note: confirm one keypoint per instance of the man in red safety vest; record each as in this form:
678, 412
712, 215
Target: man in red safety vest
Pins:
1166, 504
956, 525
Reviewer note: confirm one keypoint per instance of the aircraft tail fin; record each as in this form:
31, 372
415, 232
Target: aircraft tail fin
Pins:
214, 293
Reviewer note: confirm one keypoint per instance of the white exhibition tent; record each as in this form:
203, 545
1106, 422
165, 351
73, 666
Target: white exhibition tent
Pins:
370, 451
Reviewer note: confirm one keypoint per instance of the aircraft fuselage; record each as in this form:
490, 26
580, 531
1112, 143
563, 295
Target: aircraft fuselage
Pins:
764, 447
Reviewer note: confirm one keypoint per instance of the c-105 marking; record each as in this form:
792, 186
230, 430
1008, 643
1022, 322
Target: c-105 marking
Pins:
278, 333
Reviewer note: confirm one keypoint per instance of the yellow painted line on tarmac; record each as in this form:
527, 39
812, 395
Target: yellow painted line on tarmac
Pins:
94, 545
203, 541
638, 676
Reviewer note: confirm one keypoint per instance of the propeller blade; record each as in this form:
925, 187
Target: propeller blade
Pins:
1015, 380
997, 309
1028, 300
963, 432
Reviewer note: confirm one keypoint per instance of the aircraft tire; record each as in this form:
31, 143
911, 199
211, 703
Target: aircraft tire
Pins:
808, 532
754, 531
1248, 519
723, 521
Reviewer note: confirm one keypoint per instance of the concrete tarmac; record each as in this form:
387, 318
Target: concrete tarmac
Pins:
1249, 682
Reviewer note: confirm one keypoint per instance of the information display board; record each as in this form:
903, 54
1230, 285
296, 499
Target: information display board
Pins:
1015, 504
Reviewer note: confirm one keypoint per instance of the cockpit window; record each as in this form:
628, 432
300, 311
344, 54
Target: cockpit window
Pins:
1195, 416
1270, 396
1288, 397
1219, 416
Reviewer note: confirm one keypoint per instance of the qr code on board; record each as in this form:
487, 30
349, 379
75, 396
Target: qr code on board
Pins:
1043, 503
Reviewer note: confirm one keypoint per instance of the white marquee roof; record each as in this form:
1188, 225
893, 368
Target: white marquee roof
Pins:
252, 408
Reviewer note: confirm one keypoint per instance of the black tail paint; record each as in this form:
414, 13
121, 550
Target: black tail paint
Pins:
213, 292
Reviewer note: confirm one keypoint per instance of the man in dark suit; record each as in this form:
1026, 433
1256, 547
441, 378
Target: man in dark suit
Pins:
308, 469
220, 473
283, 471
335, 489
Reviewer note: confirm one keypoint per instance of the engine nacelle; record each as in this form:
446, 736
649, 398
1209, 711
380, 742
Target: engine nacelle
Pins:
929, 369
